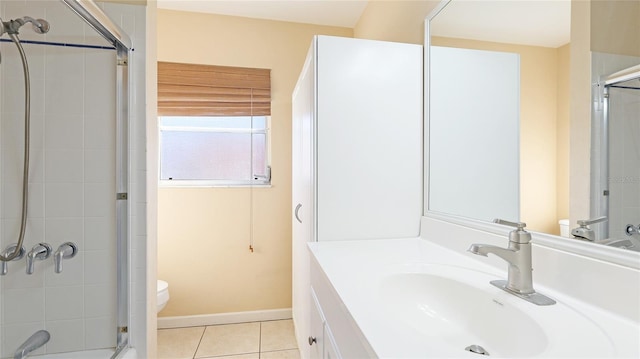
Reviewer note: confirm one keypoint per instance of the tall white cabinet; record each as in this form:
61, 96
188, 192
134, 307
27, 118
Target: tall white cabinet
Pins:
357, 151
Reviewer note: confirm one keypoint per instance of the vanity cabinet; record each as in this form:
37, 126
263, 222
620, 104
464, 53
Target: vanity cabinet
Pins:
357, 151
320, 337
316, 328
328, 316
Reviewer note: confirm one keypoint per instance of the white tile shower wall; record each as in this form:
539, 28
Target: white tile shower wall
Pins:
72, 182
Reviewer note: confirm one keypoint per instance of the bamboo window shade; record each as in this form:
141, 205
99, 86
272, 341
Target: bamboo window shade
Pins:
208, 90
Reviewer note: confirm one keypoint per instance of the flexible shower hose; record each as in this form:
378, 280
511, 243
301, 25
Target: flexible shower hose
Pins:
25, 173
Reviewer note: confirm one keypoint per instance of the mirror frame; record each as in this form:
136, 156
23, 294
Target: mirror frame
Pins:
605, 253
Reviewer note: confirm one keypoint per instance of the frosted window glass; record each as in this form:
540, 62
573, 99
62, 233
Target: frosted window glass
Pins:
215, 149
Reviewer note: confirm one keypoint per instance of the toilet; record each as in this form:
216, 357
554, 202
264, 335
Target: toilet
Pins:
564, 228
163, 294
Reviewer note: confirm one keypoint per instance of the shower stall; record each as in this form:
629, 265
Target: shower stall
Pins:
71, 176
616, 158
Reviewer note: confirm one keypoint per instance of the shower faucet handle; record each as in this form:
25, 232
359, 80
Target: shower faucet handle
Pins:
65, 251
40, 251
7, 251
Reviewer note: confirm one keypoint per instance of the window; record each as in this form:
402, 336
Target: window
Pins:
214, 150
214, 123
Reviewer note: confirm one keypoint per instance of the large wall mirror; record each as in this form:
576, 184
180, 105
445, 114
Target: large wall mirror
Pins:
498, 116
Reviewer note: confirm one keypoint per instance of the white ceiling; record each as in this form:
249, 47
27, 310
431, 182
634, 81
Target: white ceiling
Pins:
343, 13
530, 22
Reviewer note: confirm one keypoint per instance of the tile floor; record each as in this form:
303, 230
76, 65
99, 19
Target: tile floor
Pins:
257, 340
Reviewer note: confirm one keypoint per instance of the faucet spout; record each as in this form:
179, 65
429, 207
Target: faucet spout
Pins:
507, 254
518, 256
35, 341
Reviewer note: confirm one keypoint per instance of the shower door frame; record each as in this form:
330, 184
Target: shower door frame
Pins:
99, 21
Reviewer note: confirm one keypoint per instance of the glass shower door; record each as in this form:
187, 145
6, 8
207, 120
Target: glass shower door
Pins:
72, 184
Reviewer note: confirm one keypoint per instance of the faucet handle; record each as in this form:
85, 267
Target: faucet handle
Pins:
40, 251
8, 251
519, 235
65, 251
586, 222
519, 225
630, 230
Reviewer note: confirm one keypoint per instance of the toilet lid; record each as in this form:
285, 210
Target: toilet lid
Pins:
162, 285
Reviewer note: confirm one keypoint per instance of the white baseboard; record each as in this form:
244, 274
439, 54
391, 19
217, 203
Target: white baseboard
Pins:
223, 318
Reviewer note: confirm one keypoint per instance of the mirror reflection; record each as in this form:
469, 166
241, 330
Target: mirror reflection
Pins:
616, 189
537, 185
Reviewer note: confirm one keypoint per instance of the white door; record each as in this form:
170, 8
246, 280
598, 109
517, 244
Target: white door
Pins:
369, 133
302, 203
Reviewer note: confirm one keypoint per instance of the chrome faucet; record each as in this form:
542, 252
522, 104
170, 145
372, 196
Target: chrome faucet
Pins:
583, 231
40, 251
35, 341
65, 251
8, 251
520, 277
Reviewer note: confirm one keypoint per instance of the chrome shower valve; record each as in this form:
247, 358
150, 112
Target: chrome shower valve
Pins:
40, 252
9, 250
65, 251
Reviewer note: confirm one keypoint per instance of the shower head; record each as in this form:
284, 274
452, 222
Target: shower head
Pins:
41, 26
11, 27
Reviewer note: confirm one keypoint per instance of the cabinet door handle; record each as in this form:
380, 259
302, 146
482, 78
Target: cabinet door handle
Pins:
297, 217
312, 340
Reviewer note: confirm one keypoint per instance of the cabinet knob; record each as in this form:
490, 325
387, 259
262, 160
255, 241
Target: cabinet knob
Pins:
312, 340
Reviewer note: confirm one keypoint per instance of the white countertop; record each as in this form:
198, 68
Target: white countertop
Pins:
357, 270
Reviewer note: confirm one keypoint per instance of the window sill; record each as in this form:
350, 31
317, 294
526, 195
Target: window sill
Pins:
208, 184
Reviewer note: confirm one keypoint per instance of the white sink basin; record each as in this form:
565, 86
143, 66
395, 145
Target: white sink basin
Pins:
457, 307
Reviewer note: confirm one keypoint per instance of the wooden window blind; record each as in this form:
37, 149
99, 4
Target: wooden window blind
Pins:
207, 90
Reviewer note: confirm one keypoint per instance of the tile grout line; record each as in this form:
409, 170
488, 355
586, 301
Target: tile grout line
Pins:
199, 342
260, 352
260, 342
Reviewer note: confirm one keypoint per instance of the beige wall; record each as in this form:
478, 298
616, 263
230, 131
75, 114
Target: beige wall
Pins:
562, 133
539, 120
615, 27
130, 2
203, 233
394, 20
